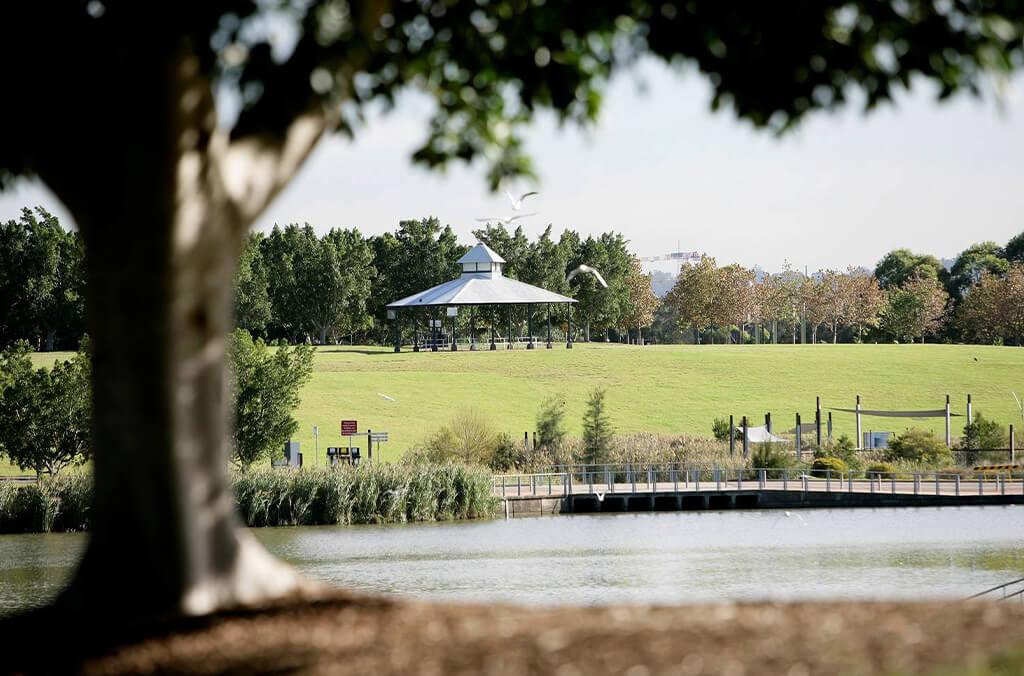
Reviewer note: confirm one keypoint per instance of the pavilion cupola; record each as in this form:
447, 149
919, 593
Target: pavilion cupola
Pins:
481, 261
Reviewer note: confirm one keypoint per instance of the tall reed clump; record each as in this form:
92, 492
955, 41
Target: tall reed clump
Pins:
53, 504
382, 493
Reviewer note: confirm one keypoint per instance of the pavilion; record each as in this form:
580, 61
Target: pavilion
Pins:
481, 284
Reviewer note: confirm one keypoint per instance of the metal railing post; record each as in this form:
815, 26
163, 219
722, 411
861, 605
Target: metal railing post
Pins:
739, 480
519, 484
917, 483
828, 481
849, 482
675, 479
763, 478
785, 479
981, 486
533, 484
893, 480
803, 480
718, 478
937, 492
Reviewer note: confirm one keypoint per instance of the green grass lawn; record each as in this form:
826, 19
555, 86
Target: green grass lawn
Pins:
676, 389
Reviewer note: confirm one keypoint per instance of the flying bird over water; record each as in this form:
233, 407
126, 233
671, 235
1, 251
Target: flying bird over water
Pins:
517, 204
587, 268
506, 220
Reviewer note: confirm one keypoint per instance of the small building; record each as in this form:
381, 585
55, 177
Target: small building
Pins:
482, 284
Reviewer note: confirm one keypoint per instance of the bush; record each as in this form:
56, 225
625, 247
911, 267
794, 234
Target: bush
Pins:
822, 466
597, 429
983, 435
551, 423
507, 454
720, 428
880, 468
467, 438
845, 449
920, 446
53, 504
769, 456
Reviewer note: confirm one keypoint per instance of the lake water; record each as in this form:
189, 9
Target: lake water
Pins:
665, 558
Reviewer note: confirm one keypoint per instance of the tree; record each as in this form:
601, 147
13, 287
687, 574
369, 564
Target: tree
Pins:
1014, 250
265, 393
641, 302
597, 429
44, 414
41, 281
252, 294
551, 423
983, 434
915, 309
733, 302
972, 263
693, 294
994, 307
164, 178
899, 266
866, 300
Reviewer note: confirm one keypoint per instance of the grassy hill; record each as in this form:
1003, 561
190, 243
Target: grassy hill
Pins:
677, 389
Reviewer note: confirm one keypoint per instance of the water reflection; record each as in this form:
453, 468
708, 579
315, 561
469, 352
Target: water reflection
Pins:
660, 558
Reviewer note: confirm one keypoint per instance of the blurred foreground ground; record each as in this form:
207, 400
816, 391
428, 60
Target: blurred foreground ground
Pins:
363, 635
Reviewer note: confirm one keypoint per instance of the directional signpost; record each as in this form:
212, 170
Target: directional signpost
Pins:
371, 438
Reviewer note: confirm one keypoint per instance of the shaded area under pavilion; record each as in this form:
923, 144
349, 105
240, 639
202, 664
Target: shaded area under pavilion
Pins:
481, 285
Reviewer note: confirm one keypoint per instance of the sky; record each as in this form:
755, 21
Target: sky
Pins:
842, 189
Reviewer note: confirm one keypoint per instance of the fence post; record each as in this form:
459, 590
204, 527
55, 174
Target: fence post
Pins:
860, 437
799, 439
817, 421
1013, 449
830, 425
732, 436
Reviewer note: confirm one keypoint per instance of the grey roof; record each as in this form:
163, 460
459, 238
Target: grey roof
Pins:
481, 290
481, 253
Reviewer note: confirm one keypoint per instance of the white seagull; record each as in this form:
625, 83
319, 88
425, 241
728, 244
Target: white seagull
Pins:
587, 268
517, 204
506, 220
384, 396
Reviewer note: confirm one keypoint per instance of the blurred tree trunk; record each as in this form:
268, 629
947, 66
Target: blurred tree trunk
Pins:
164, 227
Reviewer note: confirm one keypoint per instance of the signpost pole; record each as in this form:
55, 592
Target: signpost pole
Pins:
316, 445
369, 446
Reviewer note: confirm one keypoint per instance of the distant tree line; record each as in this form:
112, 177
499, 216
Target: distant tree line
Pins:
908, 297
296, 286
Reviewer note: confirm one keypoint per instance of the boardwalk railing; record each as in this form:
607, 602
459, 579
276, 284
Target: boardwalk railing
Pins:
675, 478
1014, 589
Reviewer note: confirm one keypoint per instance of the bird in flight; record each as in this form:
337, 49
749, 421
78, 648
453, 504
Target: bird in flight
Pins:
506, 220
517, 204
384, 396
587, 268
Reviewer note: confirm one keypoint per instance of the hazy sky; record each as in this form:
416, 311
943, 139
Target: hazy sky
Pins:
662, 169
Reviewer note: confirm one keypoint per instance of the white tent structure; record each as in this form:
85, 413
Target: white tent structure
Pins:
760, 435
480, 284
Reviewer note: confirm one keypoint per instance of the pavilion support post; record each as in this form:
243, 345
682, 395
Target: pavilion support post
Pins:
568, 325
398, 331
529, 327
970, 411
494, 318
415, 332
472, 328
549, 326
509, 339
817, 421
746, 439
455, 345
949, 432
830, 425
768, 421
433, 331
860, 437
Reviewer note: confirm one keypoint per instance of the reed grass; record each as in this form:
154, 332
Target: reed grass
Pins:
380, 493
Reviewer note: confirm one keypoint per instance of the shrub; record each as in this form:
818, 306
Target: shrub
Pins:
507, 455
845, 449
720, 428
920, 446
468, 438
597, 429
769, 456
551, 423
880, 468
983, 435
822, 466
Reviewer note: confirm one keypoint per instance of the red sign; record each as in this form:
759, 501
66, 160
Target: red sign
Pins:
349, 427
